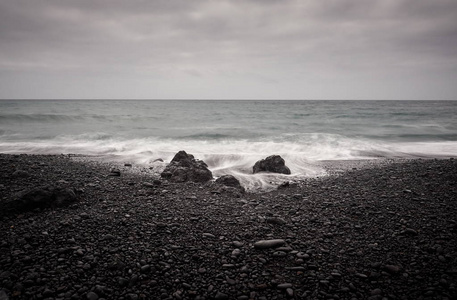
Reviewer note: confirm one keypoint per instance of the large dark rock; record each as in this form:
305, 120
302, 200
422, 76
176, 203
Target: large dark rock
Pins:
273, 163
184, 167
43, 197
231, 182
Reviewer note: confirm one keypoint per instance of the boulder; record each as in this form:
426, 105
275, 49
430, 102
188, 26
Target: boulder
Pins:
42, 197
273, 163
230, 182
184, 167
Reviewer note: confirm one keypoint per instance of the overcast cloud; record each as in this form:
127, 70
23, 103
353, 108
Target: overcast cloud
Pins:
245, 49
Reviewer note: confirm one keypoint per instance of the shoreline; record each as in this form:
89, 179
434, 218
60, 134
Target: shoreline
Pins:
382, 230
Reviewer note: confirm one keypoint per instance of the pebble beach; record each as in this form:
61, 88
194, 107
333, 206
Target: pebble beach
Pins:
382, 231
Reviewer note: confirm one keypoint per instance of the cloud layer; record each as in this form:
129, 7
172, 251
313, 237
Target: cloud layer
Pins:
250, 49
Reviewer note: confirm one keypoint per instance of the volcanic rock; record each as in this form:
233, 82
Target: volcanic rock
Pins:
266, 244
114, 172
41, 197
21, 173
273, 163
230, 181
184, 167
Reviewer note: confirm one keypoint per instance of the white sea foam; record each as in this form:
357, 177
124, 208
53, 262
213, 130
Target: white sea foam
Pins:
231, 136
302, 153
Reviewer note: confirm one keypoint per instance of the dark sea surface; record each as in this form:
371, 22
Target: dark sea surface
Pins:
230, 136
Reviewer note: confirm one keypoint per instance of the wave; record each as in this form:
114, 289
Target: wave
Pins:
206, 136
46, 118
38, 118
302, 152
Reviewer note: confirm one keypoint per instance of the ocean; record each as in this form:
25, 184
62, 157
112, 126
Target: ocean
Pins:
230, 136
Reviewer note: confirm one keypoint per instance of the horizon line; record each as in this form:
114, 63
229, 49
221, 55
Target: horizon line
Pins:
206, 99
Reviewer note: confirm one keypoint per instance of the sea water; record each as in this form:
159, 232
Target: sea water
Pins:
230, 136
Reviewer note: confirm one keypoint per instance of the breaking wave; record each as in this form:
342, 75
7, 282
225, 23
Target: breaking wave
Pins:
302, 152
230, 136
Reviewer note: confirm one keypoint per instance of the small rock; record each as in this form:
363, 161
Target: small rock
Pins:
145, 268
284, 185
84, 215
148, 184
279, 254
91, 296
376, 292
122, 282
410, 231
266, 244
114, 172
275, 221
284, 286
21, 174
47, 293
208, 235
131, 297
237, 244
392, 269
108, 237
221, 296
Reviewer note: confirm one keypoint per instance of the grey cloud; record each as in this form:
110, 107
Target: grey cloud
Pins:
252, 44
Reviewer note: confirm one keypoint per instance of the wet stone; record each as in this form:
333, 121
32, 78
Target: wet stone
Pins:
237, 244
279, 254
266, 244
68, 253
91, 296
221, 296
410, 231
392, 269
284, 286
376, 292
145, 268
290, 292
131, 297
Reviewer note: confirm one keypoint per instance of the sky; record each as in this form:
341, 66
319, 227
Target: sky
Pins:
240, 49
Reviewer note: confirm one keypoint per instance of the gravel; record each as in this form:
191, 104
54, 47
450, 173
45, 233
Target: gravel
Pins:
384, 231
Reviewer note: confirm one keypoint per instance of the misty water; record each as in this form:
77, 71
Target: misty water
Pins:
230, 136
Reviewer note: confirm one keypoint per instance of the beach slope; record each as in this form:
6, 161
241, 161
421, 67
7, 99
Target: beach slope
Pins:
384, 232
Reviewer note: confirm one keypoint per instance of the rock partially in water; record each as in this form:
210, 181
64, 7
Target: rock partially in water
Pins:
273, 163
184, 167
230, 181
